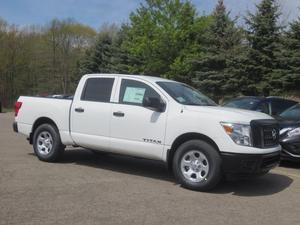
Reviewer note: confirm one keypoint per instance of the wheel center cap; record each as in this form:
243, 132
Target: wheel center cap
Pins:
47, 142
196, 165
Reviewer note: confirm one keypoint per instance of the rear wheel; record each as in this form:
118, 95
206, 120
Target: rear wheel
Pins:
47, 144
197, 165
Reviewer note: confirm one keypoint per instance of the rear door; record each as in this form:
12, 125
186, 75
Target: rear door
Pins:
91, 113
136, 130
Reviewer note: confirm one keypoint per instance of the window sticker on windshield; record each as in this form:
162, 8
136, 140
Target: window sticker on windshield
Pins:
134, 95
180, 99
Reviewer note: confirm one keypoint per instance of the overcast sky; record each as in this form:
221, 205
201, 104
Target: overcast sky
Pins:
97, 12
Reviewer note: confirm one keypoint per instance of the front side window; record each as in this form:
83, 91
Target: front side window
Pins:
134, 92
185, 95
97, 89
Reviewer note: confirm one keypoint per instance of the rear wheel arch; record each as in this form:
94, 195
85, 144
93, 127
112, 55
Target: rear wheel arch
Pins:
38, 122
184, 138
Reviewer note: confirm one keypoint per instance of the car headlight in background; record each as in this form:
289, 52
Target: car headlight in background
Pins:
293, 132
239, 133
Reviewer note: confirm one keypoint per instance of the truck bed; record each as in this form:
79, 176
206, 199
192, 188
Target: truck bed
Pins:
34, 108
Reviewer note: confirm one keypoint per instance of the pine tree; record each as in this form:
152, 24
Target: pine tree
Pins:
287, 77
263, 36
106, 56
97, 58
212, 71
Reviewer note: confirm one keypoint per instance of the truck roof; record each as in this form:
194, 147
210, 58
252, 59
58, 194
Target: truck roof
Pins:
144, 77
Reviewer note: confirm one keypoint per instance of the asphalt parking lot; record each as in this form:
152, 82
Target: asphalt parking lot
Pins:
109, 189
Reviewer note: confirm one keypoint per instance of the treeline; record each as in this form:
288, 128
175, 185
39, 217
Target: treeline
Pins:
40, 60
163, 38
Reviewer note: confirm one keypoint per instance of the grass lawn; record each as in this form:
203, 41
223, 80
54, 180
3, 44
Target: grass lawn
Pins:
5, 110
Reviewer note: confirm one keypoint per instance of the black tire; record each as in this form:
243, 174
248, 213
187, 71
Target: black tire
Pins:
214, 173
57, 149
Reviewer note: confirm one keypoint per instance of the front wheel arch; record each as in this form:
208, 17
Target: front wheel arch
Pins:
184, 138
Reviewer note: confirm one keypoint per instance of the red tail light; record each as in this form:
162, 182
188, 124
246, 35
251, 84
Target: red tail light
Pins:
17, 107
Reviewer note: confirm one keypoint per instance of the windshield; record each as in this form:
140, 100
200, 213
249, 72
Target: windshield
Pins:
185, 95
292, 113
243, 103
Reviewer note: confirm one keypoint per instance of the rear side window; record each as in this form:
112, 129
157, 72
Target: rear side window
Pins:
279, 105
98, 89
133, 92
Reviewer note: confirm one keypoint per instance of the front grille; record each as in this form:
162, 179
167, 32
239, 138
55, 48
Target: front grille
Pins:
265, 133
270, 136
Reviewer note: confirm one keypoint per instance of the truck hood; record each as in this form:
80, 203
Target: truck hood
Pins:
226, 114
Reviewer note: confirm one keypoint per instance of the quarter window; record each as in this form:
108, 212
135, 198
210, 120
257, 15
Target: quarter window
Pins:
133, 92
98, 89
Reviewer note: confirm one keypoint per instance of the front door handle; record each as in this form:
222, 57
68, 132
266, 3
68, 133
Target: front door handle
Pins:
119, 114
79, 110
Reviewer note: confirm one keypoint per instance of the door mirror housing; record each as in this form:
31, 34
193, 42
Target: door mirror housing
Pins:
155, 104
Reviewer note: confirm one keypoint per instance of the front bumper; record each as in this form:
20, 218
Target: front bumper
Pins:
249, 164
15, 127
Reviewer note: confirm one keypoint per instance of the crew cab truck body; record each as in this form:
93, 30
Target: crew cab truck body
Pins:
152, 118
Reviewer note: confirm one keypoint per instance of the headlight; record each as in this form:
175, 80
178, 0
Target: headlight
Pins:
293, 132
239, 133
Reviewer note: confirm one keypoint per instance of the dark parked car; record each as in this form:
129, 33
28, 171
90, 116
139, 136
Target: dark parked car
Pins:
270, 105
0, 107
289, 123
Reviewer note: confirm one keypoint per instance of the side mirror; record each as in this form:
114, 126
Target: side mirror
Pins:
155, 104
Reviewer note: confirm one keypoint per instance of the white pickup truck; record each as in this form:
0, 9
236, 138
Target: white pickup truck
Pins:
153, 118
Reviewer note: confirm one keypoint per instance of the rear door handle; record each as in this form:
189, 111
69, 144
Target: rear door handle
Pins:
119, 114
80, 110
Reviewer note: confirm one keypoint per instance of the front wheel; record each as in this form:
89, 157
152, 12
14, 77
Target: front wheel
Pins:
197, 165
47, 144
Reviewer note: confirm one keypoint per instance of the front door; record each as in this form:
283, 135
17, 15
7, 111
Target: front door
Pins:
137, 130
